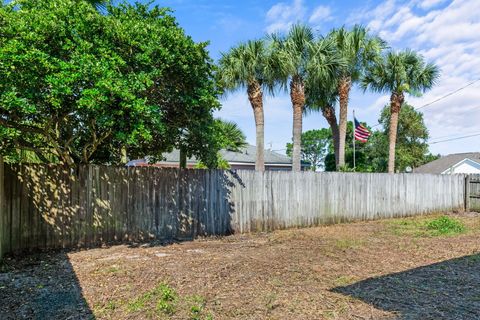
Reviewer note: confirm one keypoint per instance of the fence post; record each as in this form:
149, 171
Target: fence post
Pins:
467, 193
2, 208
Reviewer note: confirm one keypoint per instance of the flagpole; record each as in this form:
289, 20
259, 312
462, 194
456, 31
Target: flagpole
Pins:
353, 140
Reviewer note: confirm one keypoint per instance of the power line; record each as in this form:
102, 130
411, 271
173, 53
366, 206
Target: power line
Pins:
449, 135
448, 94
458, 138
441, 98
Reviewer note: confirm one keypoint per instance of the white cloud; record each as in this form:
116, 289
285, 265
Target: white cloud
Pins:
427, 4
282, 15
320, 14
449, 37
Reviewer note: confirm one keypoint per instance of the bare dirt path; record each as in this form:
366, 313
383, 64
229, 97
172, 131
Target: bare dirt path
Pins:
370, 270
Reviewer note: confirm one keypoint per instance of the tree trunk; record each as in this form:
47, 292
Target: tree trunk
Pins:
396, 101
183, 159
297, 95
329, 114
255, 95
344, 86
123, 155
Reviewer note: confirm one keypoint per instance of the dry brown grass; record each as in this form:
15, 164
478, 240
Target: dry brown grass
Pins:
368, 270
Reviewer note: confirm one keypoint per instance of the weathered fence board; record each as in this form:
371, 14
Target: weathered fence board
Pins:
473, 197
58, 207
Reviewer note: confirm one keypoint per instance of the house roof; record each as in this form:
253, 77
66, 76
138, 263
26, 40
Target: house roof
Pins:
249, 154
446, 162
246, 155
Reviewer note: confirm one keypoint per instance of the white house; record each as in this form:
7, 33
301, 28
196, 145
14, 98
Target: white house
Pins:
468, 163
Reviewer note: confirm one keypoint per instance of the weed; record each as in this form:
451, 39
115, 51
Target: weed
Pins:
164, 296
445, 226
427, 227
112, 269
344, 244
197, 307
270, 301
111, 305
343, 280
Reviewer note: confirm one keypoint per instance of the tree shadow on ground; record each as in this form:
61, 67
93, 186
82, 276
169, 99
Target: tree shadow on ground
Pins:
41, 286
445, 290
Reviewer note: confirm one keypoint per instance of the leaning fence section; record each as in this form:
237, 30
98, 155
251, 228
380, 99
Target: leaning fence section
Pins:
45, 206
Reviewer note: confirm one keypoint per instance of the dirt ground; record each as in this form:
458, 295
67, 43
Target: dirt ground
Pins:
385, 269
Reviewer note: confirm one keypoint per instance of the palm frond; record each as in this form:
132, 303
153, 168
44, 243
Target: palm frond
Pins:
232, 136
404, 71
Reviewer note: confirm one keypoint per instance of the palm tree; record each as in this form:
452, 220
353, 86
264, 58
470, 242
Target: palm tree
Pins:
322, 98
247, 66
322, 87
298, 57
233, 138
99, 4
357, 48
399, 73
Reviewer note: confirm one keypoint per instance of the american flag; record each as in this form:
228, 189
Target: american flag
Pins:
361, 133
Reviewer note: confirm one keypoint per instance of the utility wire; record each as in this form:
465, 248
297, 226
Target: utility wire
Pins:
441, 98
458, 138
448, 94
451, 136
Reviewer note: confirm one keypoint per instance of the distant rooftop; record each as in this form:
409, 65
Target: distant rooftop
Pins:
446, 162
245, 155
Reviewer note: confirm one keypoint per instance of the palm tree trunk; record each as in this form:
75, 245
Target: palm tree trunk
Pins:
396, 101
329, 114
344, 87
255, 95
297, 95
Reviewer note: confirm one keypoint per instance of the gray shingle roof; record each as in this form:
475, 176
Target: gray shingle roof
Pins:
445, 162
246, 155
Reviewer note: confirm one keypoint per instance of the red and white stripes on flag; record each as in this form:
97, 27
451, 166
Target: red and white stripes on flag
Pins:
361, 133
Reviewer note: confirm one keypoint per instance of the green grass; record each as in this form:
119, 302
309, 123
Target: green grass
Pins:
445, 226
162, 295
163, 301
433, 227
344, 244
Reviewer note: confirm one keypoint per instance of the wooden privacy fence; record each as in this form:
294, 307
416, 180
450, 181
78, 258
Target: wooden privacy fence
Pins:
55, 207
275, 200
58, 207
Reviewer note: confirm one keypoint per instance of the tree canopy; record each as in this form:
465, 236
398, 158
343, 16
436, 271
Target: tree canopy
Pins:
411, 150
316, 144
78, 85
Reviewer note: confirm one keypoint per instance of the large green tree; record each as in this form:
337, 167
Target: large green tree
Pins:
411, 144
315, 146
372, 156
299, 57
248, 66
79, 85
358, 48
399, 73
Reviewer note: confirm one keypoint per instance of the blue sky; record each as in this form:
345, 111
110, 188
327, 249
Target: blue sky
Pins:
445, 32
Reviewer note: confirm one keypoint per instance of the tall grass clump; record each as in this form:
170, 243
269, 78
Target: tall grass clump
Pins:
445, 226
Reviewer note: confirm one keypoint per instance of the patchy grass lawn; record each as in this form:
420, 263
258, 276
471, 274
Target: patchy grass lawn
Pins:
414, 268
